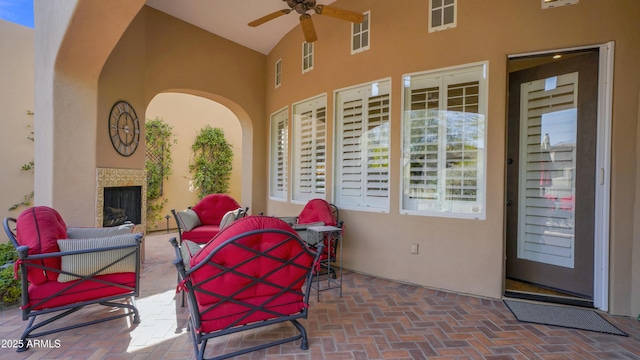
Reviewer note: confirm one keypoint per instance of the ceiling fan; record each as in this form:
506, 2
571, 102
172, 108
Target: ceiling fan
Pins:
304, 6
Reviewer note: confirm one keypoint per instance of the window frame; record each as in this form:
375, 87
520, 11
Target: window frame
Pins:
443, 6
276, 132
358, 32
549, 4
480, 69
370, 203
278, 73
308, 56
318, 189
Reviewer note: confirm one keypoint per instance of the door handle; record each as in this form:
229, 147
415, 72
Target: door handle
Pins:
509, 202
509, 161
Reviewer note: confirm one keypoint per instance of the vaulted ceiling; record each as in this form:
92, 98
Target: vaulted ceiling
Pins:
229, 19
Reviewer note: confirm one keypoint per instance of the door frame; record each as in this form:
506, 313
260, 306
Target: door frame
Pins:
603, 168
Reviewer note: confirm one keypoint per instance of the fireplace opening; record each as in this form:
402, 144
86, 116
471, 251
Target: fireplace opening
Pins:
122, 204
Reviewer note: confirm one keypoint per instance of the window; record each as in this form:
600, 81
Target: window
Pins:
444, 142
309, 149
443, 14
278, 73
278, 157
360, 35
307, 56
362, 147
546, 4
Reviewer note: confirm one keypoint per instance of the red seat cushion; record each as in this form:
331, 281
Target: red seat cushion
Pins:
317, 210
201, 234
86, 291
39, 228
248, 265
212, 208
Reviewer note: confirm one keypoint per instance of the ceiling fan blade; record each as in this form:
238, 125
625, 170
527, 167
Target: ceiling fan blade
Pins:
269, 17
307, 28
339, 13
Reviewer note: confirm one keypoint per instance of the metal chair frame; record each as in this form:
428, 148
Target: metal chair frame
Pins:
29, 311
200, 339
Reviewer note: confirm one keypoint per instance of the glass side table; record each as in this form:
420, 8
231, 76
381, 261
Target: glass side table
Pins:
329, 276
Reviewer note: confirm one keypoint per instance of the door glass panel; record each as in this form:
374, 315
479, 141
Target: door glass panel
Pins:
548, 135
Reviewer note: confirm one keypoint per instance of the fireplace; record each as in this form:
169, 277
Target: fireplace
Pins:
122, 204
121, 193
117, 178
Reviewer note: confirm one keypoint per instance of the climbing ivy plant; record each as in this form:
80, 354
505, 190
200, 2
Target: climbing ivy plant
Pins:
159, 138
27, 199
211, 164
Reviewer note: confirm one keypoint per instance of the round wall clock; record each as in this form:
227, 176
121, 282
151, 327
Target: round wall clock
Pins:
124, 128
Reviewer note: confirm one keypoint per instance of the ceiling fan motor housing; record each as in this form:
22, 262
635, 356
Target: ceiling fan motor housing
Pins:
301, 6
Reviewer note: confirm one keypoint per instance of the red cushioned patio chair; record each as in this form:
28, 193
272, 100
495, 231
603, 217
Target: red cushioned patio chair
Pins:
254, 273
62, 270
317, 212
203, 221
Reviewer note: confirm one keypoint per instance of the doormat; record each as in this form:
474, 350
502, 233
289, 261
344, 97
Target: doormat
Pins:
567, 317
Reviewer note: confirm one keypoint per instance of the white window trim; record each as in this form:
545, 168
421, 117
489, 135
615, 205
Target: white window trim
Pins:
483, 101
367, 15
278, 73
312, 104
548, 4
443, 26
337, 175
310, 55
283, 196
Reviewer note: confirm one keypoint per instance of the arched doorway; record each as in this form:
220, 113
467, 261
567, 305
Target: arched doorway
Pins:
187, 114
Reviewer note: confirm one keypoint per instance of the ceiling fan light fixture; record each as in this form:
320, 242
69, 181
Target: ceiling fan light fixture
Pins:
300, 8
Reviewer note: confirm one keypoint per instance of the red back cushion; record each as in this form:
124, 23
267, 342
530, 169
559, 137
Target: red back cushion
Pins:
212, 208
317, 210
39, 228
253, 264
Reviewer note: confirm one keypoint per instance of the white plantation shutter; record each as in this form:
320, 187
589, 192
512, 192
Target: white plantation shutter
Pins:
377, 170
462, 136
422, 134
547, 166
362, 134
278, 157
444, 143
309, 168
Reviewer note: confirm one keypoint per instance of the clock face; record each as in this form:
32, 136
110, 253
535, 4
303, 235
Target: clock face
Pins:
124, 128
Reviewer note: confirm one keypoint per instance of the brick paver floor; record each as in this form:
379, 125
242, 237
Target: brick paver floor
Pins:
374, 319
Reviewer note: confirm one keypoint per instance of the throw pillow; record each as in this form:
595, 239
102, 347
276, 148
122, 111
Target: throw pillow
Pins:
88, 263
188, 219
228, 218
87, 232
188, 249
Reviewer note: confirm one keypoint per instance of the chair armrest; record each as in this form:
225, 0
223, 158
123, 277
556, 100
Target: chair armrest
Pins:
23, 250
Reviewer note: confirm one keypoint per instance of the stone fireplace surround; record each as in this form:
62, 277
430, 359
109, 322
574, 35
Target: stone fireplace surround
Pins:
112, 177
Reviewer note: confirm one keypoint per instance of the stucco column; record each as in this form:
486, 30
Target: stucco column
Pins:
73, 39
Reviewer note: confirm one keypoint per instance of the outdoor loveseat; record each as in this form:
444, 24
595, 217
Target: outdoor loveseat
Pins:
203, 221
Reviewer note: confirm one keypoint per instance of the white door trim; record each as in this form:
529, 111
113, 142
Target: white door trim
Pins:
603, 169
